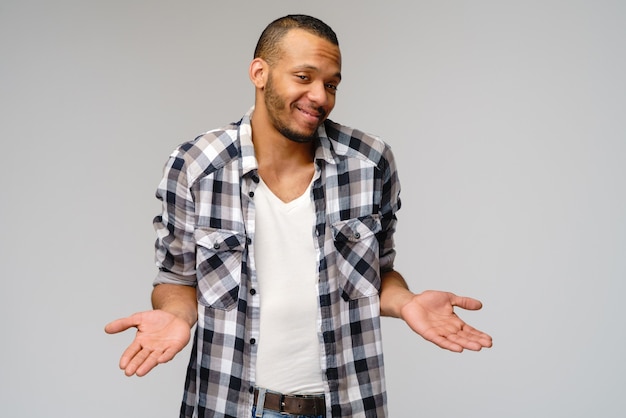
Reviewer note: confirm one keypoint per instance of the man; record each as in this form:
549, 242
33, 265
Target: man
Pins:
276, 238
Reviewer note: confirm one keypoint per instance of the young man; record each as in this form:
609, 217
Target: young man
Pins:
276, 239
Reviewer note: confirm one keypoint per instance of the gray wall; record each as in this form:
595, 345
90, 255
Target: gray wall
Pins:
507, 119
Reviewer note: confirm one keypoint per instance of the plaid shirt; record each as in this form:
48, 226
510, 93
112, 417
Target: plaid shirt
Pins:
204, 239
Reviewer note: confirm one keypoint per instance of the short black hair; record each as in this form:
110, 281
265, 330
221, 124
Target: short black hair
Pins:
268, 46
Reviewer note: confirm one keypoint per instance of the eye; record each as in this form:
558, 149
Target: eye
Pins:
302, 77
331, 86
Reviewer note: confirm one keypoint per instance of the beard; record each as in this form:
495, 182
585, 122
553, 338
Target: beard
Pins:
275, 105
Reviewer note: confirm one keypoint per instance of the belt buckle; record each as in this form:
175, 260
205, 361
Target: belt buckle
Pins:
281, 403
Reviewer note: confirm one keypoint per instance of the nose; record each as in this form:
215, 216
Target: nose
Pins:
318, 94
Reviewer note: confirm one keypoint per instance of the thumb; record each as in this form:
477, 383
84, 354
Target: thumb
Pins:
466, 303
120, 325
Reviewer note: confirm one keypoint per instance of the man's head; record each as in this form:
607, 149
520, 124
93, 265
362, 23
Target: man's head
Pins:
296, 71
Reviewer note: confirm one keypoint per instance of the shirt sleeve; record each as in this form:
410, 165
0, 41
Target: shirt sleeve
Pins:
175, 245
165, 277
390, 204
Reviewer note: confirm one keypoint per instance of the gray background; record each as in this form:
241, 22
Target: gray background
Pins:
507, 119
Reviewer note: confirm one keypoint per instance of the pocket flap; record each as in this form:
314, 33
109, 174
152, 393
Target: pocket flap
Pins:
220, 239
356, 229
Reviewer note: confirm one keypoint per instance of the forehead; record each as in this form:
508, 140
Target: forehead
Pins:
299, 47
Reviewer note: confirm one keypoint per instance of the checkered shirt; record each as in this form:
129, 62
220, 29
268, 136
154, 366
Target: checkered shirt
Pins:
204, 239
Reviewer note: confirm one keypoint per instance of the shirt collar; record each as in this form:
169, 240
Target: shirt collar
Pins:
248, 158
324, 150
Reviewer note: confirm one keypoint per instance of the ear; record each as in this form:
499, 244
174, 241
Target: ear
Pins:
258, 72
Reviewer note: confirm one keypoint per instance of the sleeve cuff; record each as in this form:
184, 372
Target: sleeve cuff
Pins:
167, 277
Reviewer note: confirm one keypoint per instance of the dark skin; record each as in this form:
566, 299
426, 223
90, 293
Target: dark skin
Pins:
293, 97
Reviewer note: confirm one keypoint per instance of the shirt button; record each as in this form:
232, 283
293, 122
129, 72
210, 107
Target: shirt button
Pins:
251, 194
253, 292
252, 341
216, 246
249, 241
357, 235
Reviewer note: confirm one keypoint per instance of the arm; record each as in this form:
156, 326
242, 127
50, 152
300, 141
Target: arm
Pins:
178, 300
165, 331
431, 314
161, 333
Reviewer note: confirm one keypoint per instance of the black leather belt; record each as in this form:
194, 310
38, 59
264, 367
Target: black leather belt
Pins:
293, 404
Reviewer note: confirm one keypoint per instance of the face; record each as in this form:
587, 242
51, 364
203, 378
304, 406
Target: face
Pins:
301, 86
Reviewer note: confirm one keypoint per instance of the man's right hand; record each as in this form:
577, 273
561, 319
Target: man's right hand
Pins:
160, 336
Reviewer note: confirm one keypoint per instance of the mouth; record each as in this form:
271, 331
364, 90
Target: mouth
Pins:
314, 115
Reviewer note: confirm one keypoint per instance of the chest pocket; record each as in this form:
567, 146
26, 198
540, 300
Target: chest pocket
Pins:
357, 258
219, 256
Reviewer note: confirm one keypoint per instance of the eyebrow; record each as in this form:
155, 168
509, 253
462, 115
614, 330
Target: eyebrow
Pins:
316, 69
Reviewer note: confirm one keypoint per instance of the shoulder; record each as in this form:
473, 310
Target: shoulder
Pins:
208, 152
353, 143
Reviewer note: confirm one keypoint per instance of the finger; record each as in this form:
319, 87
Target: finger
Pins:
465, 343
458, 337
446, 343
460, 342
153, 359
149, 363
441, 338
472, 333
140, 363
129, 354
466, 303
483, 339
167, 355
471, 339
120, 325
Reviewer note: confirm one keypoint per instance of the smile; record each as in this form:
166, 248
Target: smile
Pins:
317, 115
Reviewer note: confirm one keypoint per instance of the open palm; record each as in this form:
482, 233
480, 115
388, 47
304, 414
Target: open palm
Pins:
160, 336
431, 315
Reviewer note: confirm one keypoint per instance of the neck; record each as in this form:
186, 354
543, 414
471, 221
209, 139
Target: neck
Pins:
275, 151
284, 165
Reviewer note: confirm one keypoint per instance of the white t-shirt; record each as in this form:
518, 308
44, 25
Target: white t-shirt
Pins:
286, 262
